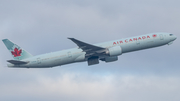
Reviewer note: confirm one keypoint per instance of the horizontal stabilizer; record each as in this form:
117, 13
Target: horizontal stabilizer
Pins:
16, 62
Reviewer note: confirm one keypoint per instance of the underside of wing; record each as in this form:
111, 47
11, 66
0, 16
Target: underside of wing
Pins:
16, 62
91, 50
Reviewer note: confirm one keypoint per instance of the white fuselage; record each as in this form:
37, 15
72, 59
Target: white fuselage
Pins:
77, 55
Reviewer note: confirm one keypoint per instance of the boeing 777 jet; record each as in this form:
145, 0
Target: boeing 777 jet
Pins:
92, 53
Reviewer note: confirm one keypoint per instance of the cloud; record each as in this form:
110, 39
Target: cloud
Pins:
88, 87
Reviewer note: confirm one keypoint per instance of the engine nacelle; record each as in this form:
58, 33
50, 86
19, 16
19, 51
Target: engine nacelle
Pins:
111, 59
114, 51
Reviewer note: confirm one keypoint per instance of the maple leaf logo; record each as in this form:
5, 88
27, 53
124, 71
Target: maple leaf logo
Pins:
16, 52
154, 35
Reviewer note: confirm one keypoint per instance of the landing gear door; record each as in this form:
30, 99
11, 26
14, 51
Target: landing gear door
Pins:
93, 61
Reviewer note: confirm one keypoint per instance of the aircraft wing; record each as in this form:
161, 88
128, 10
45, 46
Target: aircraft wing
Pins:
90, 50
16, 62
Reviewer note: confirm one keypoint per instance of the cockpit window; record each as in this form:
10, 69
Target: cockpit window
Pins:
171, 34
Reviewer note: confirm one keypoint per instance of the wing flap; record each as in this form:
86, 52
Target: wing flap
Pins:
16, 62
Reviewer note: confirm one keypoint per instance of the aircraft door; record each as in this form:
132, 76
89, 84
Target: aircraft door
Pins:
69, 55
161, 37
38, 60
137, 42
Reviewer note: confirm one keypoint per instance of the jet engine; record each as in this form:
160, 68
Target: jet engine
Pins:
114, 51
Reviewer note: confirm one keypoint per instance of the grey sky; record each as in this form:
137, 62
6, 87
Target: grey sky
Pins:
42, 26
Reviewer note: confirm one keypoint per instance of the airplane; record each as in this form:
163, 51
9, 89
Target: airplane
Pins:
92, 53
